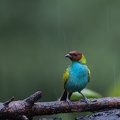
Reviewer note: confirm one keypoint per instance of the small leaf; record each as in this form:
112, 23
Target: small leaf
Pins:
87, 92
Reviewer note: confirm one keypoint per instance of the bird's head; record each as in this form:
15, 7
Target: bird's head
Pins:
76, 56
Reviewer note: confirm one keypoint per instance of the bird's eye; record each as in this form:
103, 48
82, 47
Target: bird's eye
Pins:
75, 54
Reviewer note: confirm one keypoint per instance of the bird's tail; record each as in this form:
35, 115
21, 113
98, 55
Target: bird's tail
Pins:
65, 95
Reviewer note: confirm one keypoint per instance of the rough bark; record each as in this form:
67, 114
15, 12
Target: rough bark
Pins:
27, 108
104, 115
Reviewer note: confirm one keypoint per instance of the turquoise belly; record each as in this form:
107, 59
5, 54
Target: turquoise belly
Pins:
78, 78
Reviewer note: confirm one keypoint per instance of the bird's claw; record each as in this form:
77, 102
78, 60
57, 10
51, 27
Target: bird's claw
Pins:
68, 101
85, 100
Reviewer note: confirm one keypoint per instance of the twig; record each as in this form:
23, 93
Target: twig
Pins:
22, 117
56, 118
8, 101
33, 98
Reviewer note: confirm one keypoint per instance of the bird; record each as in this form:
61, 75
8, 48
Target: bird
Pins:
76, 76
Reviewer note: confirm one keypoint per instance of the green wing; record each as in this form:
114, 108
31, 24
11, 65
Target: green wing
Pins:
66, 75
89, 74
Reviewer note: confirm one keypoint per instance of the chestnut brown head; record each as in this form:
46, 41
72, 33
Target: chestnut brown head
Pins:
74, 55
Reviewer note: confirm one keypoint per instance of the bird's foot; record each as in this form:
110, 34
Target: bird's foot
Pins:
85, 100
68, 101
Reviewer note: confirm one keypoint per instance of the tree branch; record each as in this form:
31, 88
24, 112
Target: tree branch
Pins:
27, 108
113, 114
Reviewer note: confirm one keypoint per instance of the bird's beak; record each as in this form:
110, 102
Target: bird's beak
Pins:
68, 56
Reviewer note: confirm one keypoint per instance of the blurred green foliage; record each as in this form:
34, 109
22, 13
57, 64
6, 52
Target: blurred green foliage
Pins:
114, 89
35, 36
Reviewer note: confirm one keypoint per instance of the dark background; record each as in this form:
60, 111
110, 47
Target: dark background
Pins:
36, 35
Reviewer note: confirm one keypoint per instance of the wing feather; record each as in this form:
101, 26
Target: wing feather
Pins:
89, 74
66, 75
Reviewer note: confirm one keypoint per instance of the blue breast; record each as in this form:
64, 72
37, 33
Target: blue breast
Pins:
78, 77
